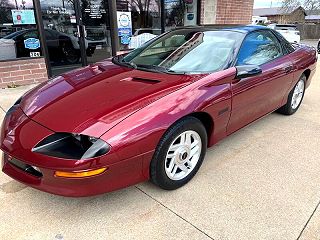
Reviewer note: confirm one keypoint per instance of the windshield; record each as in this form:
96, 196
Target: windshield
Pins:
186, 51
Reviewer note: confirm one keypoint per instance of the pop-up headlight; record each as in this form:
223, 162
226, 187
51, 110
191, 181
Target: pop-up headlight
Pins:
72, 146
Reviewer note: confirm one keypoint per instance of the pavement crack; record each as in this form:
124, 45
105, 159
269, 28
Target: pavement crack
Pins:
183, 219
3, 110
305, 226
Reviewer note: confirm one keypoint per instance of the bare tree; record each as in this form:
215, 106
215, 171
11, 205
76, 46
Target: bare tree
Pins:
312, 4
290, 5
5, 11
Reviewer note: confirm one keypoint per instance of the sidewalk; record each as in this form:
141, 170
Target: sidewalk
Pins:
260, 183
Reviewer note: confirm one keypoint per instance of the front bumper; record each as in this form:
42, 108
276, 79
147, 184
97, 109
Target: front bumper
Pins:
120, 175
19, 134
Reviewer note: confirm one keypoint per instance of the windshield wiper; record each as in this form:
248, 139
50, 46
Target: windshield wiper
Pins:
159, 69
119, 59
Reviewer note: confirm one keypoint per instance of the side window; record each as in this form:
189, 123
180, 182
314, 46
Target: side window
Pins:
286, 45
258, 48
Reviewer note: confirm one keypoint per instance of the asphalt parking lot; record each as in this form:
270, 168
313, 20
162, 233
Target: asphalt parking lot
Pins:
259, 183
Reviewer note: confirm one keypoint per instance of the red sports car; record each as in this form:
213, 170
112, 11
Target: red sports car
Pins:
152, 113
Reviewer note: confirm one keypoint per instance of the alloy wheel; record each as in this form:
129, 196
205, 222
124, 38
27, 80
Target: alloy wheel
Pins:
297, 94
183, 155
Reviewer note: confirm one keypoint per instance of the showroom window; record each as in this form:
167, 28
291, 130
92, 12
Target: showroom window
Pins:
19, 36
141, 20
180, 13
134, 18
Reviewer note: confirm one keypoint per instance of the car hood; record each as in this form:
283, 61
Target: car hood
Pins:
93, 99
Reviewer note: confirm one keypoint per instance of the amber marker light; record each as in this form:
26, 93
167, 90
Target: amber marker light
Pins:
81, 174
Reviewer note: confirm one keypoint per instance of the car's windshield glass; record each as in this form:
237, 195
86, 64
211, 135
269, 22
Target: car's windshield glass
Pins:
186, 51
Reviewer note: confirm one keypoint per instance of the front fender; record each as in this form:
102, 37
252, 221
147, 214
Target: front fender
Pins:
141, 132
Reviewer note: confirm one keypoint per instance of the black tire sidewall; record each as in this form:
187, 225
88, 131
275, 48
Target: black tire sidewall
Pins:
66, 49
157, 166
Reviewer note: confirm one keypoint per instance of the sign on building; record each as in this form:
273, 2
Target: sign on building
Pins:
124, 24
23, 17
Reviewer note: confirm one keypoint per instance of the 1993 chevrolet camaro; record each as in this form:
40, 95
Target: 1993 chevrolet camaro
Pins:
152, 113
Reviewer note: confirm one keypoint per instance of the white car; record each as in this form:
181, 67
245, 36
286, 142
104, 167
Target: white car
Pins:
288, 31
155, 31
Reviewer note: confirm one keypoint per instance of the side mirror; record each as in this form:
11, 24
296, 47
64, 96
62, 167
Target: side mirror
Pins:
247, 71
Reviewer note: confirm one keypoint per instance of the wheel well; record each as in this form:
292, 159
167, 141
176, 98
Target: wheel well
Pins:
307, 73
206, 120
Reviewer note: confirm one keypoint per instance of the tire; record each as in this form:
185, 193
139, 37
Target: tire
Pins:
295, 97
71, 55
170, 155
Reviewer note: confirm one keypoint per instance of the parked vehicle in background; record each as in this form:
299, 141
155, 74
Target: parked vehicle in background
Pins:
259, 20
289, 31
155, 31
59, 44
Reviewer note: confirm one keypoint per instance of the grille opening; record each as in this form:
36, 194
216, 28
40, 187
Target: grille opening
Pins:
25, 167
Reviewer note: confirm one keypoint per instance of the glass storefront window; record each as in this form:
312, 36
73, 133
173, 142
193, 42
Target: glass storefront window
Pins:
95, 17
19, 36
59, 22
62, 32
145, 19
180, 13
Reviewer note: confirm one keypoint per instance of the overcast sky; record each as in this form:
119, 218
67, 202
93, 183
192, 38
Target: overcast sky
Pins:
266, 3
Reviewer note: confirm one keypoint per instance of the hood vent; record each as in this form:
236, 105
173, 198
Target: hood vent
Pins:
141, 80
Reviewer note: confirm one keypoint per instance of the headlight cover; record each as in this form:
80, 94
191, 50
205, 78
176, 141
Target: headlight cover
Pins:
72, 146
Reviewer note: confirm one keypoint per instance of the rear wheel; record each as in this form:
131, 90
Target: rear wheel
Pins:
179, 154
295, 97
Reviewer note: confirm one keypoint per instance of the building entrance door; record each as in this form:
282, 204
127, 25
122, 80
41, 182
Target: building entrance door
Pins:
77, 32
96, 27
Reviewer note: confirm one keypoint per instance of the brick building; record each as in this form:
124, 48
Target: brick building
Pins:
41, 39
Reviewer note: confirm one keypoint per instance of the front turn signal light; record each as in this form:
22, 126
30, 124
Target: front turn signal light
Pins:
80, 174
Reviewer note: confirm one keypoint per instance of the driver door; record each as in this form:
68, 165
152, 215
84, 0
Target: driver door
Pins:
256, 96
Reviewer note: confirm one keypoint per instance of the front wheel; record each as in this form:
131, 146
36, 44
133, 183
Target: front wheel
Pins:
179, 154
295, 97
71, 55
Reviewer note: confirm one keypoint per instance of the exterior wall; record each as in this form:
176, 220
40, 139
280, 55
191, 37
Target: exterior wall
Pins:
22, 72
234, 11
226, 11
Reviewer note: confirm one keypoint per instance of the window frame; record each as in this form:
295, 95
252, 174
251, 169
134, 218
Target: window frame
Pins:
283, 53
